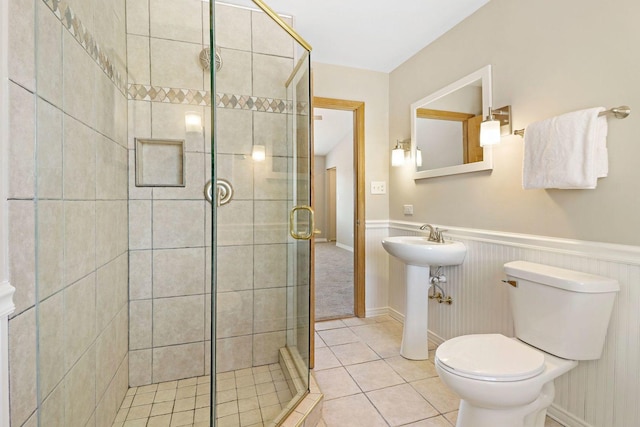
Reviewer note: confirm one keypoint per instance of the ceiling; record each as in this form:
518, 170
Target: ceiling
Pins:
329, 128
375, 35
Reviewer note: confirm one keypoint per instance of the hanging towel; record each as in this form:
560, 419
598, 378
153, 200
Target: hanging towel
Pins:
567, 151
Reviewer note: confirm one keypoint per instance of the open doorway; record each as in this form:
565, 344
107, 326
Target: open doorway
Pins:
339, 206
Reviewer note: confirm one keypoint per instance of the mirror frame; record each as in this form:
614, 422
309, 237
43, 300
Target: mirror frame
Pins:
484, 74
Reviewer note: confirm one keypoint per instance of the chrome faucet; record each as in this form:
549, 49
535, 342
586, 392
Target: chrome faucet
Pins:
435, 234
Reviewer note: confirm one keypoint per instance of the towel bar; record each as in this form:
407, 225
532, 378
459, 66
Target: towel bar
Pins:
621, 112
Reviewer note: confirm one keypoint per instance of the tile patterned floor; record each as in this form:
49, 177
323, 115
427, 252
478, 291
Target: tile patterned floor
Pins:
367, 383
248, 397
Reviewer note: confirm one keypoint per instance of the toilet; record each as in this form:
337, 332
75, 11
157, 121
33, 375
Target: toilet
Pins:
560, 317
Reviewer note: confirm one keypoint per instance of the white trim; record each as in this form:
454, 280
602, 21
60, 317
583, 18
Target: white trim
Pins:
6, 290
565, 418
605, 251
373, 312
320, 240
345, 247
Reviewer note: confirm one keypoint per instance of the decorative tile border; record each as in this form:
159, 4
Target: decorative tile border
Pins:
140, 92
72, 23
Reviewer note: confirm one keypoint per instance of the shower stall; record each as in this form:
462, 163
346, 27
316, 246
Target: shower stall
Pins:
169, 197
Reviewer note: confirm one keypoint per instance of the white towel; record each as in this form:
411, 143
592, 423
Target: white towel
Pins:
567, 151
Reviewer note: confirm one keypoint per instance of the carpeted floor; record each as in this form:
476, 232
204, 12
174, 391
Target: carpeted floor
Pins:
334, 281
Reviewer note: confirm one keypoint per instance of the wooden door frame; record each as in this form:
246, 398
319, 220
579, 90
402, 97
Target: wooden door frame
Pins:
357, 107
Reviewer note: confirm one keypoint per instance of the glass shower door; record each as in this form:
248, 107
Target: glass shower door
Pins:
261, 251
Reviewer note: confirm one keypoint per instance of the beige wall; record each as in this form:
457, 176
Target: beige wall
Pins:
341, 158
548, 58
372, 88
319, 182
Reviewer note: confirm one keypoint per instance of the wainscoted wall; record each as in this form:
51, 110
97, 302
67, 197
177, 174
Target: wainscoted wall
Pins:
600, 393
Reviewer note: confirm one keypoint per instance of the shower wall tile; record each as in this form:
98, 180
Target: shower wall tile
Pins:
269, 73
269, 37
139, 367
232, 277
270, 266
22, 242
207, 357
272, 179
107, 300
79, 318
49, 151
240, 347
109, 27
49, 55
208, 136
195, 179
22, 363
136, 193
234, 131
50, 257
140, 275
271, 222
80, 404
178, 361
22, 43
178, 272
269, 310
79, 160
138, 17
139, 122
235, 224
52, 407
78, 81
169, 123
111, 230
235, 74
207, 318
234, 313
178, 224
140, 327
233, 27
79, 239
266, 347
269, 130
176, 20
22, 146
51, 347
178, 320
106, 363
138, 65
111, 163
139, 224
237, 169
176, 64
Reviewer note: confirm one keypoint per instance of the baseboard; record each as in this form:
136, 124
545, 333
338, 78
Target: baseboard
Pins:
320, 240
373, 312
345, 247
396, 315
565, 418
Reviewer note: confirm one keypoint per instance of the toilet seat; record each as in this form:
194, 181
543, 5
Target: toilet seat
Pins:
490, 357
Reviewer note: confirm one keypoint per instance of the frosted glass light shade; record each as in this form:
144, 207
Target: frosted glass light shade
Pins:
489, 132
397, 157
258, 153
193, 122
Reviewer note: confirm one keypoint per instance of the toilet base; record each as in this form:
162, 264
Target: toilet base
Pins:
531, 415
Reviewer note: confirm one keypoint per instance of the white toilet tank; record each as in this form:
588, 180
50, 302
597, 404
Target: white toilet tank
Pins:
563, 312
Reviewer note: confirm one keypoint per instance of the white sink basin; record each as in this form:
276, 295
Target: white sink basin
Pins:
418, 250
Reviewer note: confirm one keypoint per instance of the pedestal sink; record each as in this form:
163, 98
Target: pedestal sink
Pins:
419, 254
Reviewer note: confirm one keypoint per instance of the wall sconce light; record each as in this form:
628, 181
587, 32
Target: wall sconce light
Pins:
258, 153
496, 124
193, 122
418, 157
401, 151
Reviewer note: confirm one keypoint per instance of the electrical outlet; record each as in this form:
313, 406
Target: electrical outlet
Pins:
408, 209
378, 187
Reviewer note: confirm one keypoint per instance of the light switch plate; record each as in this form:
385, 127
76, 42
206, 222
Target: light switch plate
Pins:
378, 187
408, 209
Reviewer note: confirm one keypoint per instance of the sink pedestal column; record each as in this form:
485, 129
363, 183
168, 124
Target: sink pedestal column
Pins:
415, 332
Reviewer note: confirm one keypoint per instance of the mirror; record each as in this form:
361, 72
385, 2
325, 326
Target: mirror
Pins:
445, 128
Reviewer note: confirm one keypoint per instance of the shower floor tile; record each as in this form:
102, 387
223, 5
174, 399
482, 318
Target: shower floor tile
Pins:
247, 397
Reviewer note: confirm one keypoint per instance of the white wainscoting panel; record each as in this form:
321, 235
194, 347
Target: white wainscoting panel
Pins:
376, 269
602, 393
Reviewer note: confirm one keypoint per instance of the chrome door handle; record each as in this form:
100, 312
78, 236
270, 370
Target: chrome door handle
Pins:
312, 226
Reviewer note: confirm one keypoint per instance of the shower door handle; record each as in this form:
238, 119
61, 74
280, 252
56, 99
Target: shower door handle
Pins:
308, 234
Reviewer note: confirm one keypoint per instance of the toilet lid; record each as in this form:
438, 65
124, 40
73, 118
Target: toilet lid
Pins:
490, 357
